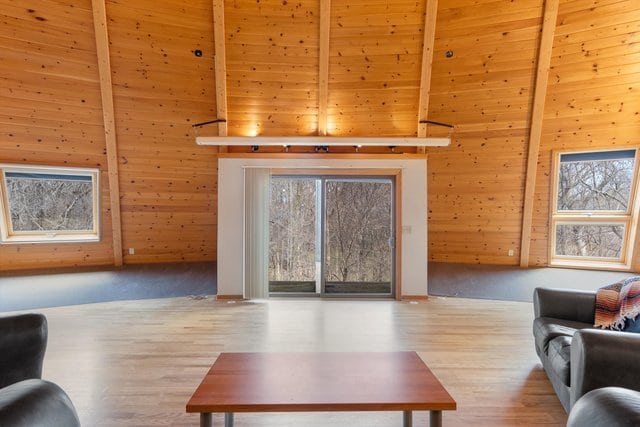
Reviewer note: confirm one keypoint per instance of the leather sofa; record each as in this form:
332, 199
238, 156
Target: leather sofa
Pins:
25, 399
606, 407
577, 357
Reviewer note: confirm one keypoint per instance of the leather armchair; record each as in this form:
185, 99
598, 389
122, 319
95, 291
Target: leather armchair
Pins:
606, 407
577, 357
601, 358
568, 304
26, 399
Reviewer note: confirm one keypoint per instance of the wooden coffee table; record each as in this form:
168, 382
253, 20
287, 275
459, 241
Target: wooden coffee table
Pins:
306, 382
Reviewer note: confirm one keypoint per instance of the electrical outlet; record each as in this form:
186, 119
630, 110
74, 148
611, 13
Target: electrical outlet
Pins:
132, 251
510, 252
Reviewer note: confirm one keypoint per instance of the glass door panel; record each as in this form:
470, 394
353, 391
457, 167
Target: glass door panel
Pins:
359, 232
294, 257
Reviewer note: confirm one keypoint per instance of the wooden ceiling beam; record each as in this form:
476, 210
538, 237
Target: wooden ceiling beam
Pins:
323, 66
220, 68
108, 114
535, 129
431, 13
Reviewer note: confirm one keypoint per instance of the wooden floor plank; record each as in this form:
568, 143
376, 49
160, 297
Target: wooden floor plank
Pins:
136, 363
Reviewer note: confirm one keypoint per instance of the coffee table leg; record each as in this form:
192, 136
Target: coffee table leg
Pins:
228, 419
206, 419
435, 418
407, 419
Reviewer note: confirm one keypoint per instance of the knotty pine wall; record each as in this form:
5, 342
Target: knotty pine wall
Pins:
51, 114
272, 67
50, 105
50, 111
593, 96
167, 183
476, 186
375, 55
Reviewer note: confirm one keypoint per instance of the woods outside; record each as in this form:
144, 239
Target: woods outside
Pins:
593, 186
358, 218
358, 229
39, 202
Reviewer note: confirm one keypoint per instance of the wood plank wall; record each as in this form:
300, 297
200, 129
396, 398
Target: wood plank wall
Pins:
485, 89
51, 114
476, 186
272, 67
50, 109
374, 67
167, 182
593, 97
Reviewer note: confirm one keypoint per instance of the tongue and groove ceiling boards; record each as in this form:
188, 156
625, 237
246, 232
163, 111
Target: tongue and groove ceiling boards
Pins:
272, 67
273, 61
593, 95
50, 111
51, 114
476, 185
375, 56
168, 185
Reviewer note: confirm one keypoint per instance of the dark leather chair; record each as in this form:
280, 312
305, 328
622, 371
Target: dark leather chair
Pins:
606, 407
25, 399
577, 357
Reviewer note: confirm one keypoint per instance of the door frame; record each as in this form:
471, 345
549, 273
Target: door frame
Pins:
396, 176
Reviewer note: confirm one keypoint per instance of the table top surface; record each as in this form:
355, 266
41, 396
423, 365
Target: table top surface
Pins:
288, 382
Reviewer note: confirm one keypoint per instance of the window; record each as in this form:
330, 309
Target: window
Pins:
594, 208
332, 235
45, 204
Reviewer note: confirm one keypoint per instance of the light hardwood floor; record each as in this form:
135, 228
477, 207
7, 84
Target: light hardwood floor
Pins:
136, 363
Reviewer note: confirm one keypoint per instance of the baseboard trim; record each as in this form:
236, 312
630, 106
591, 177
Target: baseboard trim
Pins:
414, 297
229, 297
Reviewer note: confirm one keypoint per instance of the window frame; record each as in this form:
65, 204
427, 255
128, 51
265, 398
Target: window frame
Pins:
9, 236
629, 218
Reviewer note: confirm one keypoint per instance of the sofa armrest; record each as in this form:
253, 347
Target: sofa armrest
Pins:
602, 358
36, 403
23, 341
565, 304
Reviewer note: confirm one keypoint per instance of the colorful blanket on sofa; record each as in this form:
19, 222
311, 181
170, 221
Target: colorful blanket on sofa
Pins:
618, 302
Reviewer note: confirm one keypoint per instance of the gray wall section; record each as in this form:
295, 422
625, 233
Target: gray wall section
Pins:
132, 282
69, 287
511, 283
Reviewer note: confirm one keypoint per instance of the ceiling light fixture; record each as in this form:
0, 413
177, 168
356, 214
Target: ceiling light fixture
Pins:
323, 141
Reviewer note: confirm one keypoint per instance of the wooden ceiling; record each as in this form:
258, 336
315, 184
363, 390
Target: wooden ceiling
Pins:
352, 66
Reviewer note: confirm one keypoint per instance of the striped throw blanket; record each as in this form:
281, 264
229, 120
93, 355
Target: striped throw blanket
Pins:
618, 302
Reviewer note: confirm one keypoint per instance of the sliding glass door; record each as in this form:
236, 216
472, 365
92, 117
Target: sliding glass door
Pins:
331, 236
294, 252
358, 236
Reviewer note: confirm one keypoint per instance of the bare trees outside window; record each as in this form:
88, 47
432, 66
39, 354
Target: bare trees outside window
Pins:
358, 230
593, 204
600, 241
43, 204
348, 220
595, 185
292, 231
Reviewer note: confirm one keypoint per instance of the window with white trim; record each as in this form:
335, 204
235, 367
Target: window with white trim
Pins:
594, 208
48, 204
